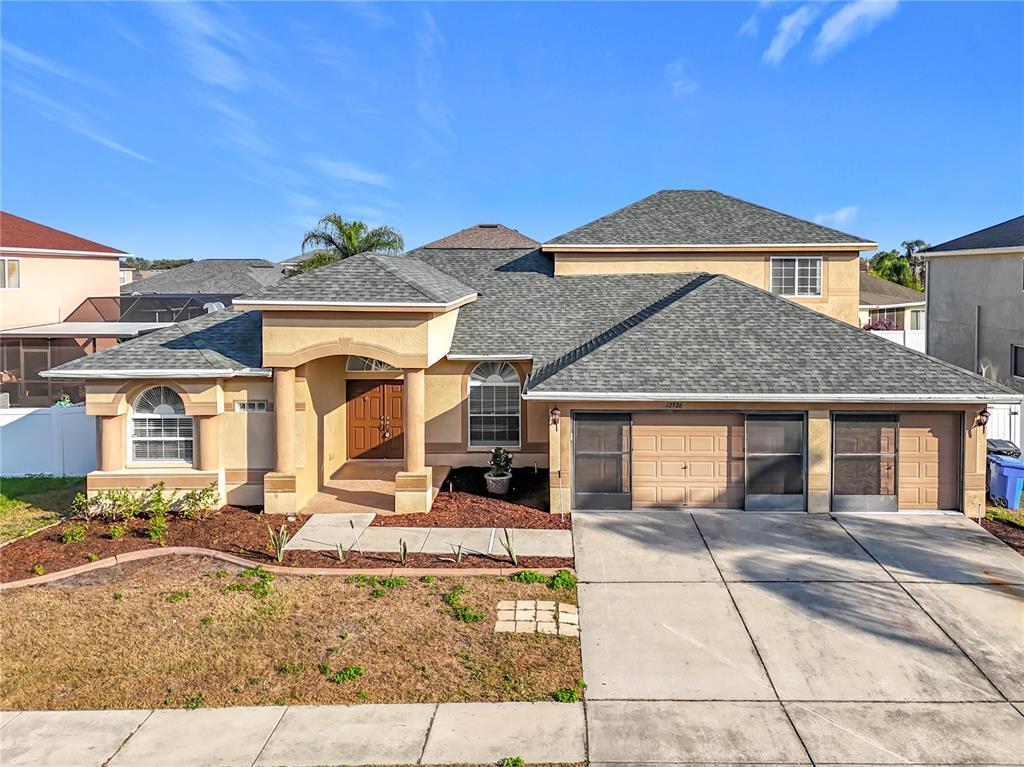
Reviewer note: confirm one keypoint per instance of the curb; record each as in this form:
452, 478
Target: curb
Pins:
135, 556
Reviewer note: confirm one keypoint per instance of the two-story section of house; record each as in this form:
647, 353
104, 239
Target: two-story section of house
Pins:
698, 230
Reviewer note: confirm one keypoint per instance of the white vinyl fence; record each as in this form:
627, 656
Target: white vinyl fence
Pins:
1004, 422
47, 440
912, 339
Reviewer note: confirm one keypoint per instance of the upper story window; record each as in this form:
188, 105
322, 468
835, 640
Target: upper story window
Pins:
796, 277
160, 430
368, 365
1017, 361
10, 273
494, 405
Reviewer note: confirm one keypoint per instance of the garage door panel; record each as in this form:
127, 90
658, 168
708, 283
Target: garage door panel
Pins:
671, 444
645, 443
929, 461
644, 469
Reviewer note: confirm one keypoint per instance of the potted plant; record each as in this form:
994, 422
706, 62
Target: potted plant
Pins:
500, 476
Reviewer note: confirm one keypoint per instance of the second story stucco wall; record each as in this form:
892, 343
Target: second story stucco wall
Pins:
51, 287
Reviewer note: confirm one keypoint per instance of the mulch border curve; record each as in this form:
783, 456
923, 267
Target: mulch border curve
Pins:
134, 556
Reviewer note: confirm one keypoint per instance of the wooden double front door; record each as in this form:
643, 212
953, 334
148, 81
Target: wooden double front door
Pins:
374, 419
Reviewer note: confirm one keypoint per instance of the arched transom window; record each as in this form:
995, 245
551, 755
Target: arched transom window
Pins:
367, 365
494, 405
160, 430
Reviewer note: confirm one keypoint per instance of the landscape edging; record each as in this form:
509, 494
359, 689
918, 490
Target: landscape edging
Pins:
134, 556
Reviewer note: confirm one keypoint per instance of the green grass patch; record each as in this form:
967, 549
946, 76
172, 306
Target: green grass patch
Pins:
29, 503
1006, 515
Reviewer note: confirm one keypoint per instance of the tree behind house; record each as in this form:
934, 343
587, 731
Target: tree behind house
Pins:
335, 239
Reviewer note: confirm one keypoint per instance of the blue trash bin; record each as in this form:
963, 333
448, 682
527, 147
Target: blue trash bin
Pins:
1005, 480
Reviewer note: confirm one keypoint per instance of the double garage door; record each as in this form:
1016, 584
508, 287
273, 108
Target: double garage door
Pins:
724, 460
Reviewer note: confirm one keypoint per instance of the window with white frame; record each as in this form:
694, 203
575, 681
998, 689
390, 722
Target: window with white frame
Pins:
251, 406
160, 430
494, 405
368, 365
917, 319
796, 277
10, 273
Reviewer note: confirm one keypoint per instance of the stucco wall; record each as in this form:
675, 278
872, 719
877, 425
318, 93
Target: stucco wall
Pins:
960, 286
53, 286
840, 277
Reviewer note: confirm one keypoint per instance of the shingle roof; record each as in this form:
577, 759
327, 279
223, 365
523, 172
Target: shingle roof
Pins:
874, 291
493, 236
226, 340
370, 278
1009, 234
228, 276
700, 217
18, 232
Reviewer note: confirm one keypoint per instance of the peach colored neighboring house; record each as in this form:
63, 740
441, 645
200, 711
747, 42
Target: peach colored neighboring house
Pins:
45, 274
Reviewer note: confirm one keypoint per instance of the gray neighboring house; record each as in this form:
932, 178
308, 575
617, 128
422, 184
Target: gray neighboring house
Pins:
975, 302
210, 276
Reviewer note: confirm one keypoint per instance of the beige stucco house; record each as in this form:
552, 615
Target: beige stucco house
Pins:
690, 350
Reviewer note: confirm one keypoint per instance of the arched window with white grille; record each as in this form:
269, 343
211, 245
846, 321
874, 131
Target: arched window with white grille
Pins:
494, 405
160, 430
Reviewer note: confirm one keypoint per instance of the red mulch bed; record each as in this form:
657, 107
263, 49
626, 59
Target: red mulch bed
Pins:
465, 502
231, 529
1008, 533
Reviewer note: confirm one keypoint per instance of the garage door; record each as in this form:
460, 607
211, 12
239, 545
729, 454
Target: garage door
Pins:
929, 461
688, 460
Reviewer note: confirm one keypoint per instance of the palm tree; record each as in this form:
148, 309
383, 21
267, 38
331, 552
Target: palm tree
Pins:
912, 248
893, 266
335, 239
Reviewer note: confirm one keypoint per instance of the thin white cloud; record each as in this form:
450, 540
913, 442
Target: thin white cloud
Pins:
838, 218
431, 106
751, 27
851, 21
343, 170
32, 62
209, 48
679, 80
789, 32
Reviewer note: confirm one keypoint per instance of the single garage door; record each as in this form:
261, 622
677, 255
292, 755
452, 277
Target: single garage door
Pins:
929, 461
688, 460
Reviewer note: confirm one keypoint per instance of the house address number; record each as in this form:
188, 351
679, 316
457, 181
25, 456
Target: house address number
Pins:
673, 405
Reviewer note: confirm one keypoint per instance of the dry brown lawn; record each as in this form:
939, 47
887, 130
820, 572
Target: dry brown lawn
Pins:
179, 632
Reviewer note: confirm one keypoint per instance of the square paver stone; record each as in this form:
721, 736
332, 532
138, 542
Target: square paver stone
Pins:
387, 538
66, 738
935, 547
667, 641
442, 540
910, 733
215, 736
372, 734
640, 546
485, 733
636, 732
988, 624
535, 543
854, 641
785, 547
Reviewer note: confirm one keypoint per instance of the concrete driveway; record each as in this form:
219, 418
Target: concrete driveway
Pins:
798, 639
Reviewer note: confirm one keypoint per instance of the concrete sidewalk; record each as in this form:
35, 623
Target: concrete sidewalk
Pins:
295, 736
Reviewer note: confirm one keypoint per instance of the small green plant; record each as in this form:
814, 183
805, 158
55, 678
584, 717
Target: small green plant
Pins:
362, 695
157, 503
340, 549
508, 543
378, 593
289, 667
177, 596
403, 551
427, 579
221, 574
500, 462
278, 541
156, 529
118, 596
195, 504
393, 582
513, 761
457, 553
466, 614
116, 532
38, 569
459, 611
359, 579
206, 620
92, 556
563, 579
73, 532
194, 701
570, 694
528, 576
346, 674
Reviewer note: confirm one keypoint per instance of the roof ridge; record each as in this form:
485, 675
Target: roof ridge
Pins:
788, 215
612, 213
426, 292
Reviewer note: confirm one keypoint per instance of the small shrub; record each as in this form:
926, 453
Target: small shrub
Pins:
82, 507
116, 532
457, 554
528, 576
501, 462
278, 540
563, 579
194, 701
177, 596
73, 532
508, 543
340, 549
427, 579
92, 556
346, 674
156, 503
38, 569
196, 504
156, 529
453, 596
513, 761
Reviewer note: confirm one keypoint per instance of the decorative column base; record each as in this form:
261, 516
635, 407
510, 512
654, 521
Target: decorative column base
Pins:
279, 493
414, 491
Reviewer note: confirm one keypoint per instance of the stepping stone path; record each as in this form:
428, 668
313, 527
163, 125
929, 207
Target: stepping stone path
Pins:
537, 616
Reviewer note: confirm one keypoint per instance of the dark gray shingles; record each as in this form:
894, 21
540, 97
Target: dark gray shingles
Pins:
700, 217
1009, 234
225, 340
874, 291
370, 278
485, 236
228, 276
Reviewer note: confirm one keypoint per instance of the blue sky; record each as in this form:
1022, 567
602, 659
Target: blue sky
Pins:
227, 129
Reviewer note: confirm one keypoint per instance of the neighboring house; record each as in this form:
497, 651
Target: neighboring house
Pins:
45, 276
210, 276
632, 357
976, 302
883, 301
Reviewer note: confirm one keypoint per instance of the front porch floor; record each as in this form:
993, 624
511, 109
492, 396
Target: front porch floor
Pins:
364, 487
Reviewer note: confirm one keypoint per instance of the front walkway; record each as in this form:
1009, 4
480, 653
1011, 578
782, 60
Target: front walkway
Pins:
295, 736
364, 487
799, 639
